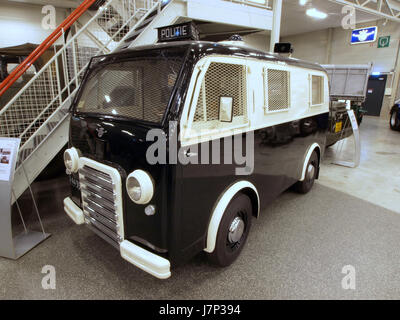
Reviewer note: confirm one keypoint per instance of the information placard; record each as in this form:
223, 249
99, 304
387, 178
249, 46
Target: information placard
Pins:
11, 246
8, 150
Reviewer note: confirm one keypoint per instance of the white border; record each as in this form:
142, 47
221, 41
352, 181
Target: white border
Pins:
116, 179
308, 156
146, 186
149, 262
311, 75
74, 155
73, 211
220, 208
266, 88
376, 35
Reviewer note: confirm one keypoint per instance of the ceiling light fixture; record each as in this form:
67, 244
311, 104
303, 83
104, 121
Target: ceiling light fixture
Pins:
303, 2
316, 13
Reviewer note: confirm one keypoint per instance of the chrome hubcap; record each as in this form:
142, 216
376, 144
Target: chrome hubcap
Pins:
236, 230
310, 171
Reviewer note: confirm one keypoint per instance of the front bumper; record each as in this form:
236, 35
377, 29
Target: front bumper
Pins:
73, 211
143, 259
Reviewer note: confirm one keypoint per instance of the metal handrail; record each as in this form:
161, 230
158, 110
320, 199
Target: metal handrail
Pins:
46, 44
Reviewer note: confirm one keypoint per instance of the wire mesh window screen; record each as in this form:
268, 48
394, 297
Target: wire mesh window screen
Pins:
317, 90
138, 89
278, 89
222, 80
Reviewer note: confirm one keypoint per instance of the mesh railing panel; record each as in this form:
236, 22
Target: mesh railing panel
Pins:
32, 108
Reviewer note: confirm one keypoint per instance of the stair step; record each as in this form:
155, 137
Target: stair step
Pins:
38, 139
143, 25
146, 22
23, 155
63, 111
153, 13
51, 125
135, 34
140, 28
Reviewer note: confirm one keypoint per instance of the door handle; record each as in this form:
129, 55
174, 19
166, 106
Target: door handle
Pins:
190, 154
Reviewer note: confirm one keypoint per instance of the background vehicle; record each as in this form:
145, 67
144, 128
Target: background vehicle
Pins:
347, 83
395, 116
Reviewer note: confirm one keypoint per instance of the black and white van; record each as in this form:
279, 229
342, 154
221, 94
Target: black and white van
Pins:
191, 96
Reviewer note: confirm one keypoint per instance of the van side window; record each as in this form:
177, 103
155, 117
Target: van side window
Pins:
222, 82
317, 85
277, 87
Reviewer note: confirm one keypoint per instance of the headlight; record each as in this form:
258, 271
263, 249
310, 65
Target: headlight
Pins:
71, 160
140, 187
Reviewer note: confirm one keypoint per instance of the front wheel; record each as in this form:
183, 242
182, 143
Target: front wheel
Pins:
311, 173
233, 231
394, 121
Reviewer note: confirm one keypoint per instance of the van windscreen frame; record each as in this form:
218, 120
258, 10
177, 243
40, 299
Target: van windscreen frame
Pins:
160, 57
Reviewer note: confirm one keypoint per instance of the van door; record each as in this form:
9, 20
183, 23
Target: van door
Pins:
276, 163
218, 111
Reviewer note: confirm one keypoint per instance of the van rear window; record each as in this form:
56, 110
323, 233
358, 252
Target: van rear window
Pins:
138, 89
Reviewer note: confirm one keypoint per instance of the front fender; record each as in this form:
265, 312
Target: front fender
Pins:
396, 107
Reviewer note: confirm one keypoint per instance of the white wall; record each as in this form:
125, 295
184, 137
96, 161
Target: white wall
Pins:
22, 23
313, 46
258, 40
309, 46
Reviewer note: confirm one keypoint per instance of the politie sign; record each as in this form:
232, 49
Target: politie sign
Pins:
183, 31
364, 35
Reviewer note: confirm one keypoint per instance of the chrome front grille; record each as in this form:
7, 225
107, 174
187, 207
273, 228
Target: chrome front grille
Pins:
101, 200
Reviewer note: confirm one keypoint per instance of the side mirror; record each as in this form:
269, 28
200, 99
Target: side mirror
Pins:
226, 109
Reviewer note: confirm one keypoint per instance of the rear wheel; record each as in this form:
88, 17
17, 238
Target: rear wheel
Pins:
311, 173
233, 231
394, 121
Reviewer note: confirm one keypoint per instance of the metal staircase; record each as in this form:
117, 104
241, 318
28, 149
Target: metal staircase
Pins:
38, 114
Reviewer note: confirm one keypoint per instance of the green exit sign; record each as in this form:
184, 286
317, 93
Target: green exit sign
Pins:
384, 42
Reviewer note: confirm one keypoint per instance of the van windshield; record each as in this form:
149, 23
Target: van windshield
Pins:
139, 88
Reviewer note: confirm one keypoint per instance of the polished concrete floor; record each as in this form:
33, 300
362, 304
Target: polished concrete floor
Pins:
296, 250
377, 179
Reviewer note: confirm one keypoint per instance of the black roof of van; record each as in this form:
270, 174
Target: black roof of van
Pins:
204, 48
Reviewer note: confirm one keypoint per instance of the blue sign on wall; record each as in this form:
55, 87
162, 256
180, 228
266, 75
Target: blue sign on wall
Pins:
364, 35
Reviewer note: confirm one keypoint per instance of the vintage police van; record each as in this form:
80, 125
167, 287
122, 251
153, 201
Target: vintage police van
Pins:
159, 215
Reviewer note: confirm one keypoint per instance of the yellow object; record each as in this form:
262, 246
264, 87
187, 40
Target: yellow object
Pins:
339, 126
